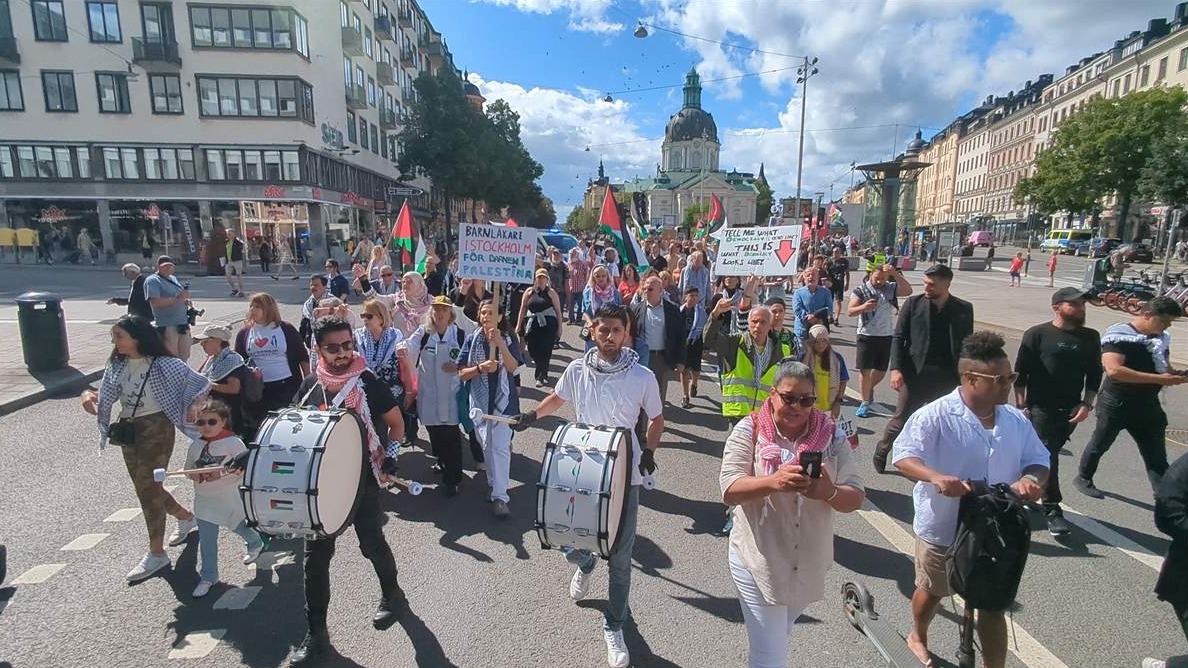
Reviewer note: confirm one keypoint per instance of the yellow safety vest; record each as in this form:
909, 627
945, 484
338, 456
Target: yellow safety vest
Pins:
741, 395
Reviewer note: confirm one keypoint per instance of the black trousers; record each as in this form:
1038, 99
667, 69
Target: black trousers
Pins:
540, 340
446, 441
919, 388
476, 448
1054, 429
318, 553
1146, 423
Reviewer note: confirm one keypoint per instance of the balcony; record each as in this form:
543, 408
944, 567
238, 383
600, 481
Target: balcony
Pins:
405, 19
408, 94
384, 75
384, 29
408, 58
352, 42
356, 97
389, 120
156, 56
9, 53
436, 52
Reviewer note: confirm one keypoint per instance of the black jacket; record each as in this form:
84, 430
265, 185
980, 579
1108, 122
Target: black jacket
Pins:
674, 326
909, 344
1171, 516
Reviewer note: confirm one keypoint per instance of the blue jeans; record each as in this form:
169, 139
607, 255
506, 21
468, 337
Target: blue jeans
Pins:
619, 565
574, 308
208, 546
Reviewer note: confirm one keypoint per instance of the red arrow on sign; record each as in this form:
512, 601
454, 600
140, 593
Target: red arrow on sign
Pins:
785, 252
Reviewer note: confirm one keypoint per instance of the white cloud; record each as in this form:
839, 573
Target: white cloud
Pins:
584, 15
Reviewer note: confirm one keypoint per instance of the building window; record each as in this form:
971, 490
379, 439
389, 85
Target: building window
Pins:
375, 138
121, 163
103, 17
252, 165
344, 14
1162, 74
346, 71
49, 20
59, 91
169, 164
11, 98
1183, 60
83, 155
38, 162
165, 90
292, 165
1117, 87
269, 97
352, 133
112, 88
363, 132
371, 91
1144, 74
301, 35
383, 145
367, 43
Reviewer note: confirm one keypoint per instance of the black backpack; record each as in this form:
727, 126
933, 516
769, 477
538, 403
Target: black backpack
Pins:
987, 557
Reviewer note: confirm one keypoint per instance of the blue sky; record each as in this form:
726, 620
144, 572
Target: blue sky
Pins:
887, 67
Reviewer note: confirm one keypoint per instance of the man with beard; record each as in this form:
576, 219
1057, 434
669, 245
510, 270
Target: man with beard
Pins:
608, 387
342, 379
1057, 362
872, 303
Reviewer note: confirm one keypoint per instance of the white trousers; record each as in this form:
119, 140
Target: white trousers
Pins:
768, 626
496, 438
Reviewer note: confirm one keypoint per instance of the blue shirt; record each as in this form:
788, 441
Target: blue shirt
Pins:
806, 303
165, 316
339, 286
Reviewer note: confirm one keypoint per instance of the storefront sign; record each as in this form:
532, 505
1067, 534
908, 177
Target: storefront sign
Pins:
185, 220
497, 253
757, 251
332, 136
51, 214
274, 192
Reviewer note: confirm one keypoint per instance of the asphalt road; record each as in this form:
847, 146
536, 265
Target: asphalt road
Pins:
483, 593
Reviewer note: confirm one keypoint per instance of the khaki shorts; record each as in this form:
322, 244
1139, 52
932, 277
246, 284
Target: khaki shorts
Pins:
178, 343
234, 268
931, 575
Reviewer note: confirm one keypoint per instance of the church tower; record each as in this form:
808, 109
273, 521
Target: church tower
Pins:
691, 138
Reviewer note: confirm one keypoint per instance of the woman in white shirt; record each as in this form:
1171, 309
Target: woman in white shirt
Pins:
781, 545
436, 345
275, 348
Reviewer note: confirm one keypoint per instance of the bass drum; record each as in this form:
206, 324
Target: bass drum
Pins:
303, 473
584, 480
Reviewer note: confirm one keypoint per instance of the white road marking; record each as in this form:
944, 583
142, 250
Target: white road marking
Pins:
38, 574
1025, 646
123, 515
197, 645
84, 542
1113, 538
237, 598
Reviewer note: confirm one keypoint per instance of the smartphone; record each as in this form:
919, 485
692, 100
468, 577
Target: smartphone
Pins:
811, 462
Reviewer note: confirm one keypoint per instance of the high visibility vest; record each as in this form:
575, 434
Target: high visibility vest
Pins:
741, 395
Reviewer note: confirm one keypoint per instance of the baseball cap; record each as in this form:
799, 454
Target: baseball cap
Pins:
1067, 295
541, 272
215, 332
164, 259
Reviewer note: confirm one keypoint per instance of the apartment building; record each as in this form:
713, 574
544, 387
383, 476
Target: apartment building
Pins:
973, 150
935, 184
1011, 157
160, 121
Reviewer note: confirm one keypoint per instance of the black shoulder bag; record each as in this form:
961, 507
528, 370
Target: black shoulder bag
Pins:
123, 431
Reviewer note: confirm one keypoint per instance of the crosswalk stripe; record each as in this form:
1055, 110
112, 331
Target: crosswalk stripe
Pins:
84, 542
122, 515
38, 574
1112, 538
197, 644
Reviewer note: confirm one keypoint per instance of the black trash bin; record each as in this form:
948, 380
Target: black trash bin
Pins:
43, 331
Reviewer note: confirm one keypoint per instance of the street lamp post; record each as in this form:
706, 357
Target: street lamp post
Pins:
804, 72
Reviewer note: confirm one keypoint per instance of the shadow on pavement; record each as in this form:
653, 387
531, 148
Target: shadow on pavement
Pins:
706, 516
1134, 502
428, 649
898, 506
875, 562
641, 652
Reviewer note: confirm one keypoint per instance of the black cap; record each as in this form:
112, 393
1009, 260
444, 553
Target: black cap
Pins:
164, 259
1067, 295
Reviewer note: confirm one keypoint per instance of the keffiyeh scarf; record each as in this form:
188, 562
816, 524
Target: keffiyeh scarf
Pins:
627, 359
217, 367
380, 356
1156, 345
172, 383
816, 438
355, 400
481, 395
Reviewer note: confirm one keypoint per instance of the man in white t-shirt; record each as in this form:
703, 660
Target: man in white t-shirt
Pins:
873, 304
609, 387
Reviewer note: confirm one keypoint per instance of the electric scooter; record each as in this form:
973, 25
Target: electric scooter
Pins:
858, 606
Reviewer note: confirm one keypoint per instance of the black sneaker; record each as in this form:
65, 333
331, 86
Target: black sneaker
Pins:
1057, 525
450, 490
312, 651
693, 390
880, 462
390, 610
1086, 487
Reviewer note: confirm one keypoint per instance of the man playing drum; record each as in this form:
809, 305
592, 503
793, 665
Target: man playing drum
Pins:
341, 369
608, 387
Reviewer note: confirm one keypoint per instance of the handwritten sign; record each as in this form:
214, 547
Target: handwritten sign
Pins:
759, 251
496, 253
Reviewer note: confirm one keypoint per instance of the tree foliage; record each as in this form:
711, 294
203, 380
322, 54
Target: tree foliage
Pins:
1165, 177
1103, 149
580, 220
693, 213
763, 202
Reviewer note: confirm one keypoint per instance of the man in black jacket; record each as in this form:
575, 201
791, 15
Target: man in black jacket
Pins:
660, 323
234, 262
924, 349
1171, 516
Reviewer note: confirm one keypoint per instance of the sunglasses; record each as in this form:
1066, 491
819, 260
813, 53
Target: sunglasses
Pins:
1004, 379
335, 348
213, 422
804, 400
367, 316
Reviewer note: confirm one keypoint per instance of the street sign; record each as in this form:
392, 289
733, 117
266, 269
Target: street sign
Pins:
759, 251
396, 191
497, 253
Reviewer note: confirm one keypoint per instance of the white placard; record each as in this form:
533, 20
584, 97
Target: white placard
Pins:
497, 253
759, 251
847, 427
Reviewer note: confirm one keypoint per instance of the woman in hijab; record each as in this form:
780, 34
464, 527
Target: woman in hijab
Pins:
412, 304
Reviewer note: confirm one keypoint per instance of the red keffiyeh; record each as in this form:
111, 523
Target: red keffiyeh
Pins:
815, 439
355, 400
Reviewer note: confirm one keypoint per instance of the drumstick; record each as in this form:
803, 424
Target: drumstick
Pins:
477, 415
160, 475
411, 486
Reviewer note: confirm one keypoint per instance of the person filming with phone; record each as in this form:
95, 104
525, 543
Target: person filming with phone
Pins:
786, 469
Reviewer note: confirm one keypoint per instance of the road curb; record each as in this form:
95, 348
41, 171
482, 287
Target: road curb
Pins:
74, 385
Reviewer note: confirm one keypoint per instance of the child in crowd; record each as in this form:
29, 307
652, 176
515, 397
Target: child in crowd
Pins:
1016, 270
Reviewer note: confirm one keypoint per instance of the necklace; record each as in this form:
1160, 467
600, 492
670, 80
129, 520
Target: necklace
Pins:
985, 417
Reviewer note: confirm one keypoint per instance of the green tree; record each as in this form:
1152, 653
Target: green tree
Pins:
693, 213
580, 220
1165, 178
763, 202
1103, 149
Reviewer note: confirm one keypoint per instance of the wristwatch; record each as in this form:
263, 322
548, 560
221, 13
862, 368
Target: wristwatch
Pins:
1032, 477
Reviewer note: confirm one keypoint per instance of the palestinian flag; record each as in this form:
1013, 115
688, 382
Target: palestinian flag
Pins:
283, 468
402, 239
715, 220
625, 240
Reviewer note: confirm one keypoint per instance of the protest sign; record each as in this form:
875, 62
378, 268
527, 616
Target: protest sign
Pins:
496, 253
759, 251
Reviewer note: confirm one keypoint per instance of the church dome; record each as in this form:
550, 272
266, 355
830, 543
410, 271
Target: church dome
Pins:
691, 123
471, 89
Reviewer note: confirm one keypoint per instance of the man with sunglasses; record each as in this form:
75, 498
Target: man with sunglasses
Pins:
1059, 367
968, 434
341, 370
1135, 357
387, 285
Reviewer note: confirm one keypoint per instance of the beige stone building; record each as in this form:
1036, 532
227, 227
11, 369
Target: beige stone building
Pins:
935, 184
973, 149
1010, 159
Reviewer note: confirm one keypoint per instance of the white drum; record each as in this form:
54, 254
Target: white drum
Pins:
303, 473
584, 480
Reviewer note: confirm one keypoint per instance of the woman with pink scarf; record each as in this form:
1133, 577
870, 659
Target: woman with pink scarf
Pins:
781, 545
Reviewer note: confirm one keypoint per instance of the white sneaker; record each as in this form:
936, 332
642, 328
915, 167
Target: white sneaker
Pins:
579, 586
253, 554
1154, 663
616, 650
203, 588
151, 563
182, 531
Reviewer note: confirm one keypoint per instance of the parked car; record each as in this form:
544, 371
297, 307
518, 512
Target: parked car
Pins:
1101, 247
1142, 253
1067, 242
559, 240
980, 238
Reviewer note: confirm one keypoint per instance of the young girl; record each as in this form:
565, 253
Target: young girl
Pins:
829, 368
1016, 269
216, 494
1052, 269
